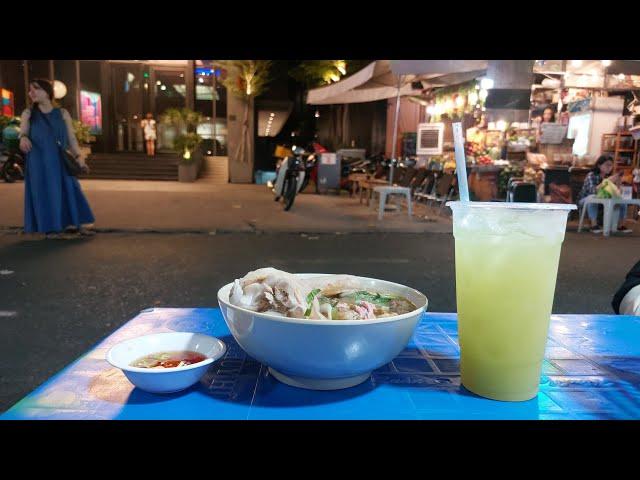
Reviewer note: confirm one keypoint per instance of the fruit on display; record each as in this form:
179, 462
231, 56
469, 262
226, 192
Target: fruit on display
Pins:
484, 160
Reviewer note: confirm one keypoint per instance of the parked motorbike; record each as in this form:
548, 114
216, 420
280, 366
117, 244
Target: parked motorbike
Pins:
290, 178
13, 165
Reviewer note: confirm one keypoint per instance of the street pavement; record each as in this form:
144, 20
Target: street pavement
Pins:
60, 297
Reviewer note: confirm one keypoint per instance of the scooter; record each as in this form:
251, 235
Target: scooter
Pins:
290, 179
13, 166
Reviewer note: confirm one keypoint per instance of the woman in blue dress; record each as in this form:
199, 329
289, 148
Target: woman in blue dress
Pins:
53, 200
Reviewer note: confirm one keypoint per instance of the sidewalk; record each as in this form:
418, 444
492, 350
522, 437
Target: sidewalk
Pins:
130, 205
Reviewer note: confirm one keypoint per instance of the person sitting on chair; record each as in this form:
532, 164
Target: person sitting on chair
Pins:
601, 170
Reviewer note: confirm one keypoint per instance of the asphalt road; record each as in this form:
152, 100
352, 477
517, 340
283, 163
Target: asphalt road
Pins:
58, 298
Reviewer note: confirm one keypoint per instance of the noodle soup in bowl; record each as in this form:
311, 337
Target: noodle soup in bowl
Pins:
323, 354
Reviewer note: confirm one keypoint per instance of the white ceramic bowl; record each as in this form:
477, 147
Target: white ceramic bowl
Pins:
323, 354
165, 380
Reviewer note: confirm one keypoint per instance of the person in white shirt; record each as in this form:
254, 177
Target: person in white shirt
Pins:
149, 130
626, 301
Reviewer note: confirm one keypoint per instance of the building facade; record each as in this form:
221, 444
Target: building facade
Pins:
112, 97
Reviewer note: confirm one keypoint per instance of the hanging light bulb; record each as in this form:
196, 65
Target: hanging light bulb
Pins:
317, 115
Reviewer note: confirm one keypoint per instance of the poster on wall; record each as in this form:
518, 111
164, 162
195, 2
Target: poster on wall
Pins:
7, 106
91, 111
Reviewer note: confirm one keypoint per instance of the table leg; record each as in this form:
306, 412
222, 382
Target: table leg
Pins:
409, 206
383, 201
606, 220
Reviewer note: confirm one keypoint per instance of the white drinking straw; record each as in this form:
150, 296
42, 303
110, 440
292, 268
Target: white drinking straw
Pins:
461, 162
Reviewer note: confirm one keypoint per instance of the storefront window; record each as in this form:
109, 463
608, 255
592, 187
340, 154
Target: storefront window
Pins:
12, 81
39, 69
170, 92
92, 102
64, 71
211, 102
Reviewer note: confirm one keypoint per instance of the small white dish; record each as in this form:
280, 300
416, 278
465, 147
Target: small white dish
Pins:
165, 380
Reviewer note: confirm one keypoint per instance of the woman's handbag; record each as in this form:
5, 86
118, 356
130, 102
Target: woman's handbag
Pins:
68, 159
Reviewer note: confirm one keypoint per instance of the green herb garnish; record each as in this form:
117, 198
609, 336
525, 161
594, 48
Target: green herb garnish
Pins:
310, 299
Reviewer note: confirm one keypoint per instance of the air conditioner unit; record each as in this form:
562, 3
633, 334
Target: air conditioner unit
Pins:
430, 139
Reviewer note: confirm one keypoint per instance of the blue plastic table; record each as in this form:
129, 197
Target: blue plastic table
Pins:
591, 371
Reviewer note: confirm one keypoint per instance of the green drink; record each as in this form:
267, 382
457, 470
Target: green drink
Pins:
506, 267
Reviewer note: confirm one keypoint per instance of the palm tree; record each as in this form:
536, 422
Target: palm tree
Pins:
246, 79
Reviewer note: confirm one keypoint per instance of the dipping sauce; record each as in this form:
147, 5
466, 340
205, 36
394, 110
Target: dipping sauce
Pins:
172, 359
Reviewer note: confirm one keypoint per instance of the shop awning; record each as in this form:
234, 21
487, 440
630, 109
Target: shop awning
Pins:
374, 82
436, 68
379, 80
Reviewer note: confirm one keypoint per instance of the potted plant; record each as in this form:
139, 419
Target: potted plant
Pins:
187, 141
83, 136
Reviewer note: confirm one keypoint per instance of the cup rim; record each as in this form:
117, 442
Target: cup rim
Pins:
514, 205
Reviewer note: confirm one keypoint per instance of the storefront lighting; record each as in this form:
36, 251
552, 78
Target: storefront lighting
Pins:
146, 86
187, 154
472, 98
201, 80
606, 63
477, 86
486, 83
576, 63
158, 82
293, 148
483, 94
621, 76
460, 101
431, 109
501, 125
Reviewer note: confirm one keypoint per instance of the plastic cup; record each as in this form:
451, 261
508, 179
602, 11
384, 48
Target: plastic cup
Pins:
507, 258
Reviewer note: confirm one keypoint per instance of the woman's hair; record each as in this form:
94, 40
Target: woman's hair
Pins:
553, 113
45, 85
601, 159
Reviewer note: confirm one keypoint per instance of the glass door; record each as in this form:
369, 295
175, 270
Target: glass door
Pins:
168, 89
127, 88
